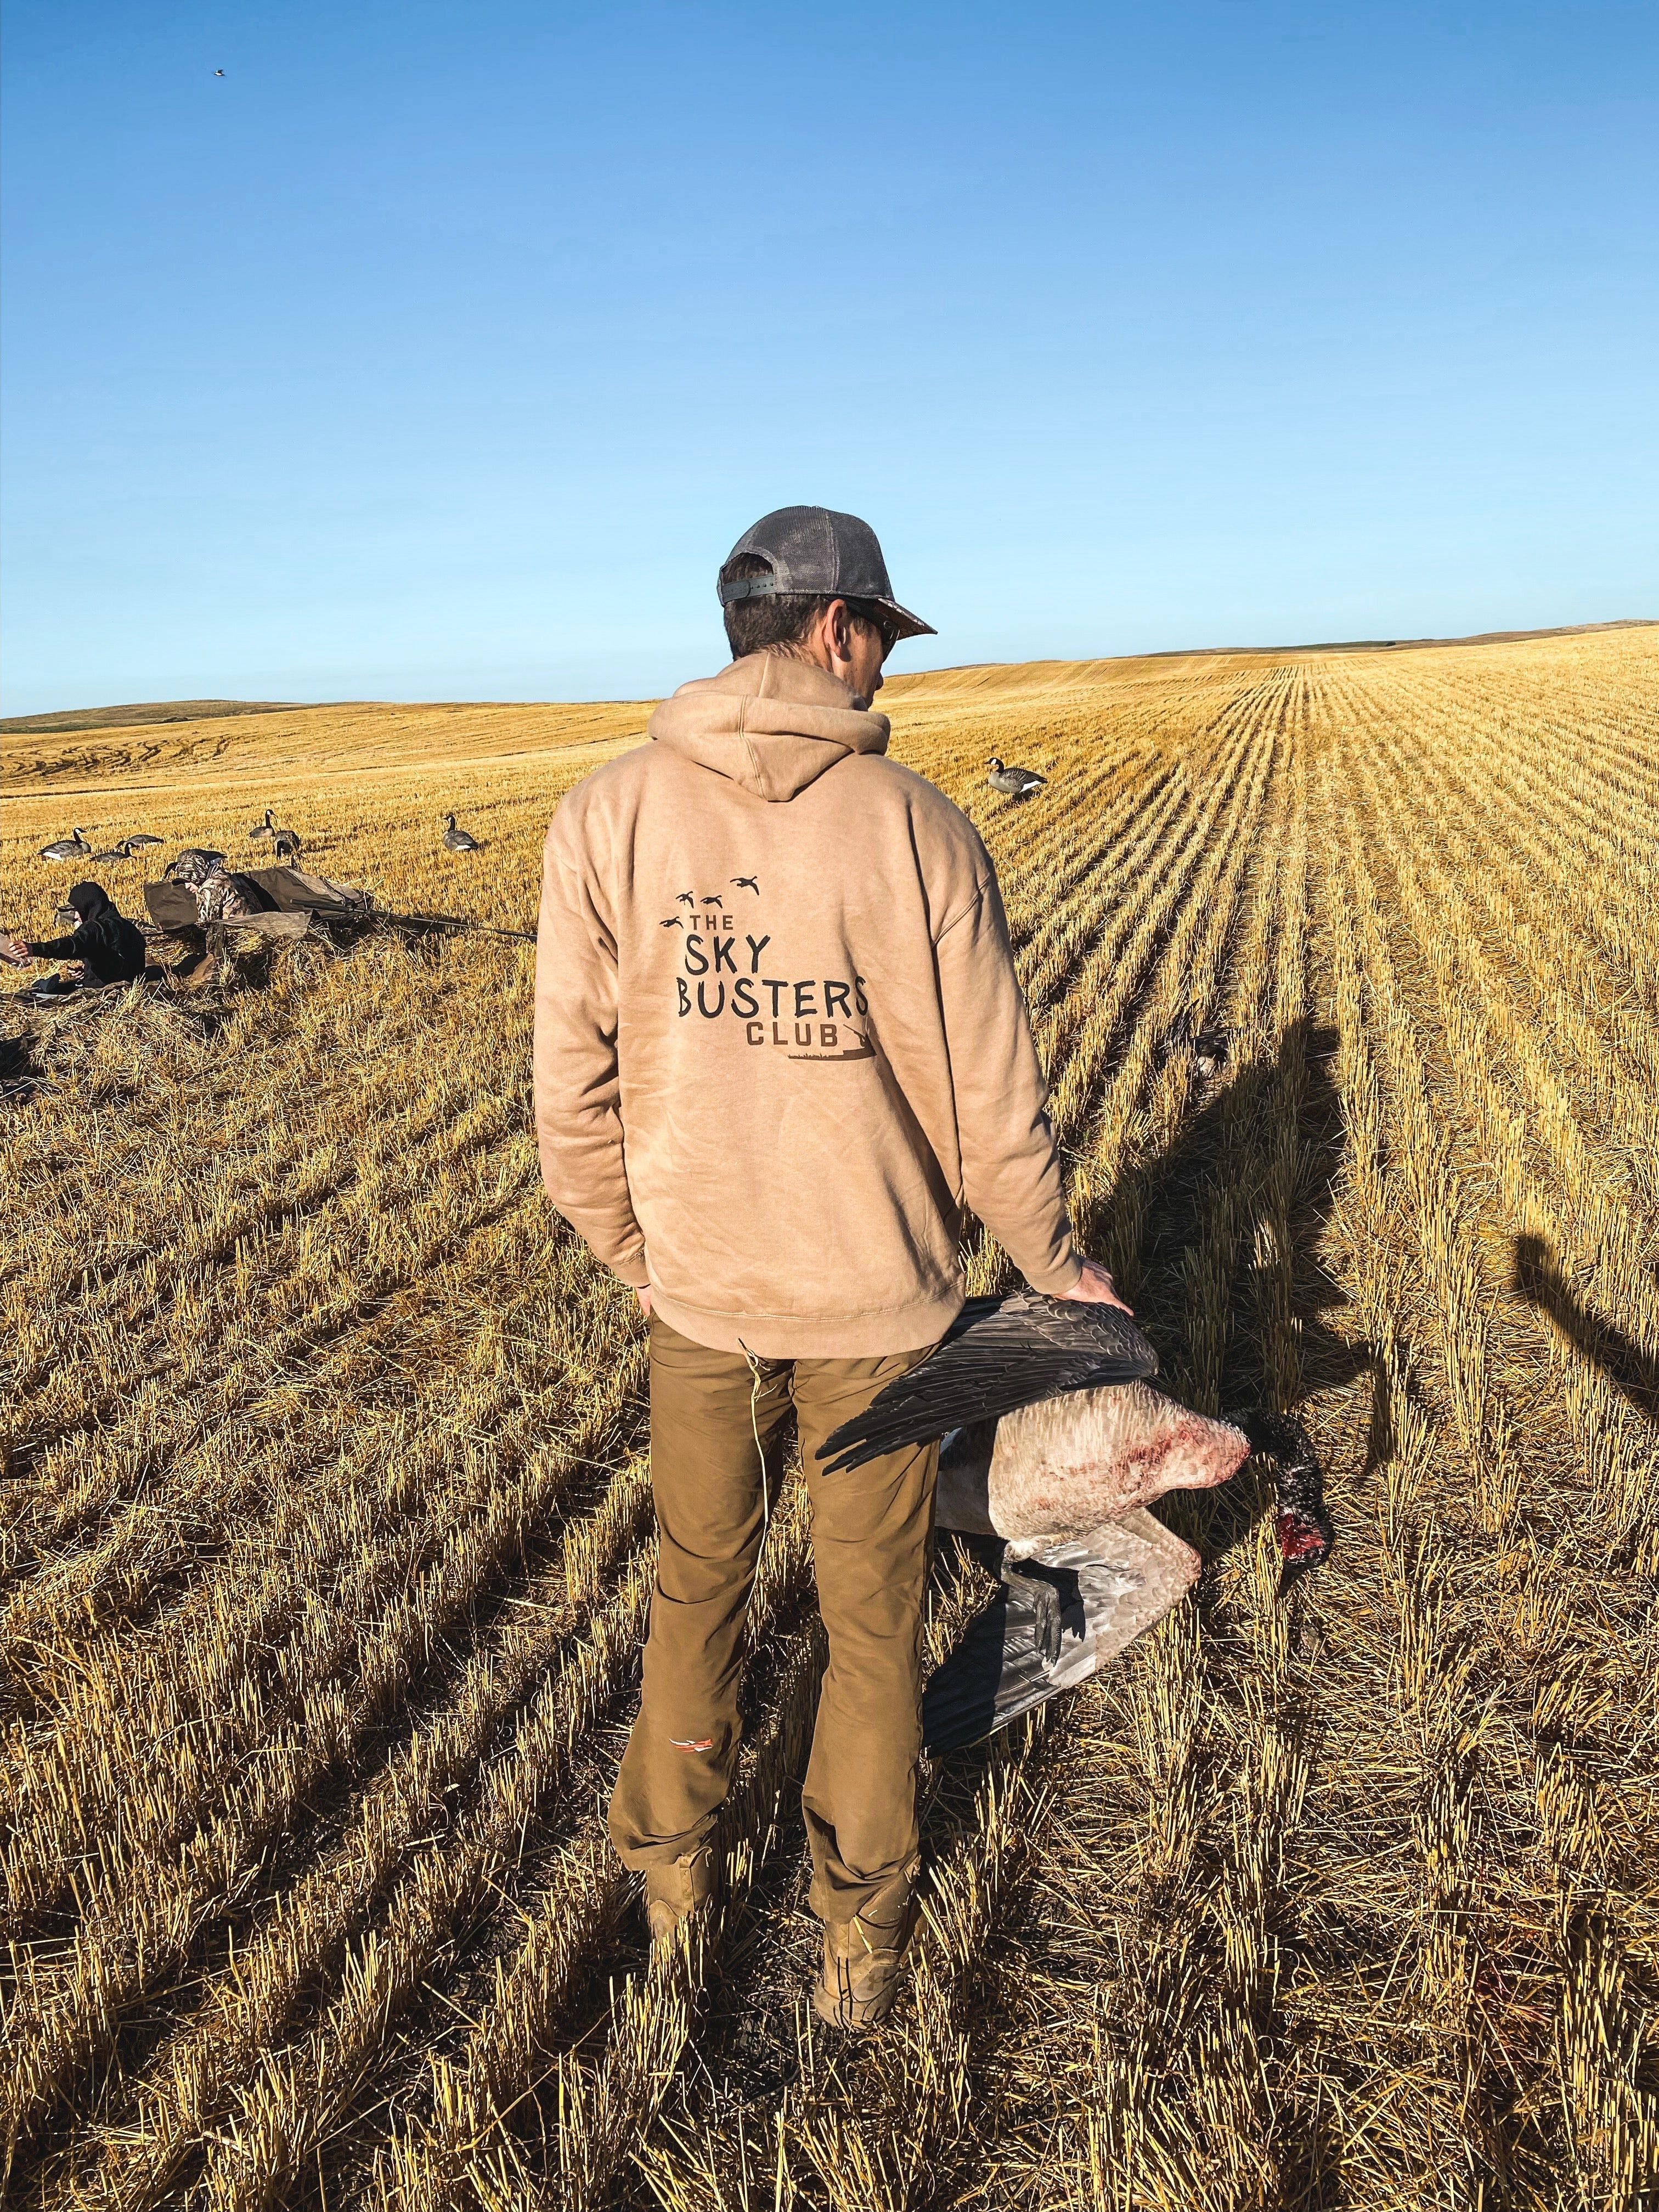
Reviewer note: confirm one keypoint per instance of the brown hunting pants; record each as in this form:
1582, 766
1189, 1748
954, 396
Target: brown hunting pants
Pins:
871, 1534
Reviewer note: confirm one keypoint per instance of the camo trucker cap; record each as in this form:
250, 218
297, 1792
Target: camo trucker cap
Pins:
819, 554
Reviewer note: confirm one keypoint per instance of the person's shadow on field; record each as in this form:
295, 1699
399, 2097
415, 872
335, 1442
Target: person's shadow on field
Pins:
1634, 1372
1157, 1212
1174, 1197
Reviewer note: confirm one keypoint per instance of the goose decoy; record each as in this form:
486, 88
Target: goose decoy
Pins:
1209, 1048
72, 847
143, 837
1054, 1443
268, 827
123, 851
1014, 782
458, 841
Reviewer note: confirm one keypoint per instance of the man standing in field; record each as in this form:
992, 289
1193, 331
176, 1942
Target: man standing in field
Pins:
780, 1048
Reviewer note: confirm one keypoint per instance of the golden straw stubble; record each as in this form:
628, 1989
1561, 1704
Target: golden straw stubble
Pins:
324, 1540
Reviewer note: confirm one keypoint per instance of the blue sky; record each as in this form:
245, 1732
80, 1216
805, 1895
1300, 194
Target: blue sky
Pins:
443, 350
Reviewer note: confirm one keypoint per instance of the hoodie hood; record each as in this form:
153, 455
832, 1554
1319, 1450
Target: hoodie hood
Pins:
768, 723
92, 903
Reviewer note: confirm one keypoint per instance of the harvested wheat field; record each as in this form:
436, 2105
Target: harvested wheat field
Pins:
326, 1542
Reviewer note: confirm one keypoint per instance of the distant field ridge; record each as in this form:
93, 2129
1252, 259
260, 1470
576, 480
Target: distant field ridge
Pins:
69, 719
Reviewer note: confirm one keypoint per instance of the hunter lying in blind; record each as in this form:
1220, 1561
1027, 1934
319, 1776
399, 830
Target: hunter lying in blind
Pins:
219, 895
200, 899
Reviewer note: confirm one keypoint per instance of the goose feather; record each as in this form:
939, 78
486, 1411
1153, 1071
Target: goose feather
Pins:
1000, 1354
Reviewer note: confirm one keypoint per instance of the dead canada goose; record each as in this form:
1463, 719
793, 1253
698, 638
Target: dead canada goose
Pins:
1054, 1443
286, 844
458, 841
1014, 782
72, 847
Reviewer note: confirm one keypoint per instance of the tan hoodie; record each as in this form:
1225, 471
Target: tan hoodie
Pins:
780, 1042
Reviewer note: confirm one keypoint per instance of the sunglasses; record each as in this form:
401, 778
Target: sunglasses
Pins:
883, 629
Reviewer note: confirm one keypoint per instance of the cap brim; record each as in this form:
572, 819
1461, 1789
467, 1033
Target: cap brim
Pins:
908, 625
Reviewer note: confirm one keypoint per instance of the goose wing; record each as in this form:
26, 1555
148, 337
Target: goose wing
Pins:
1104, 1588
1000, 1354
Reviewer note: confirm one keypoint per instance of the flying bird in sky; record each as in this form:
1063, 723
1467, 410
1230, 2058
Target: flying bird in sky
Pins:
218, 72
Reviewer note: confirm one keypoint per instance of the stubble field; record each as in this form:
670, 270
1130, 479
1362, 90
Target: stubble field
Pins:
325, 1543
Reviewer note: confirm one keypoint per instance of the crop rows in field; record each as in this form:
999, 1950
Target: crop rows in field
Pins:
326, 1546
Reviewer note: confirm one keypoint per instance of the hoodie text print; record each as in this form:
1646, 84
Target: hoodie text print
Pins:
780, 1042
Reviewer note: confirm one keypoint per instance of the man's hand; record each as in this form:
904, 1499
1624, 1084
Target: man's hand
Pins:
15, 952
644, 1297
1095, 1287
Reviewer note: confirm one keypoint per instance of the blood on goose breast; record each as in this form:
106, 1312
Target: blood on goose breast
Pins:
1070, 1462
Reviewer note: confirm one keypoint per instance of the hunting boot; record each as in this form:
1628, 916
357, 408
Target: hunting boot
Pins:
862, 1957
198, 966
673, 1893
196, 975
